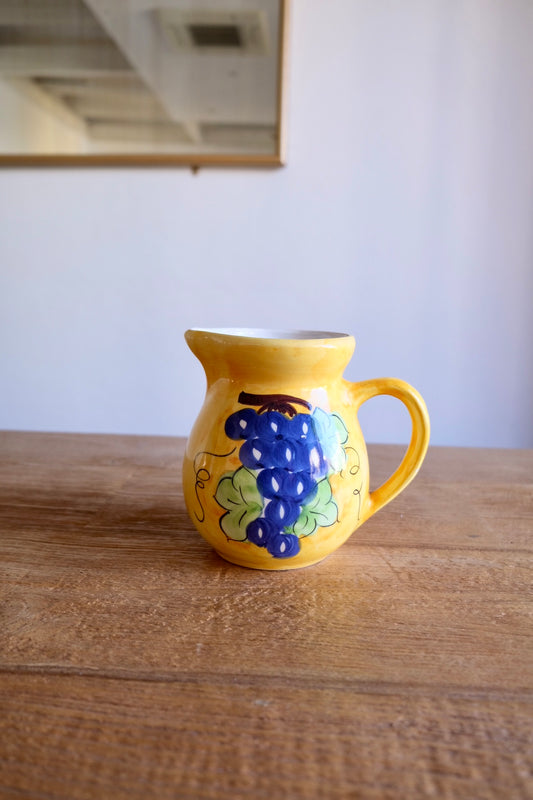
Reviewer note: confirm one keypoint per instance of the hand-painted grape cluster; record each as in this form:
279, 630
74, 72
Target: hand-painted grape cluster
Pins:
282, 491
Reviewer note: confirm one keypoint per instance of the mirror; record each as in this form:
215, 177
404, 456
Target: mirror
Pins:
192, 82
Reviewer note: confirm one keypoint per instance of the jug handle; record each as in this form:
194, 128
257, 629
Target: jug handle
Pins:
416, 450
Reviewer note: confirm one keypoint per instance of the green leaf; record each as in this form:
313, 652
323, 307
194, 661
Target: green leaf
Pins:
321, 512
342, 430
239, 495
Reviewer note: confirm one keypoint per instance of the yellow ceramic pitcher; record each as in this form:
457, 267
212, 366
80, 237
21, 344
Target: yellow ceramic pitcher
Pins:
276, 469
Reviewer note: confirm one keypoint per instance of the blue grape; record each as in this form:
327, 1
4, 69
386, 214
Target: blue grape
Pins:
241, 424
301, 428
271, 482
272, 425
283, 545
256, 453
260, 531
290, 454
299, 486
282, 512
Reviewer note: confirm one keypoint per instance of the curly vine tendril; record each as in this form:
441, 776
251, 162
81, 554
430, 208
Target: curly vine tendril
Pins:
202, 476
354, 469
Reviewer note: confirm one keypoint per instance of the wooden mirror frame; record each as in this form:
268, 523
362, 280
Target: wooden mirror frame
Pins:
192, 160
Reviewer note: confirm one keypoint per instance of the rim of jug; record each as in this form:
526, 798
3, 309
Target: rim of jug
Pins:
273, 333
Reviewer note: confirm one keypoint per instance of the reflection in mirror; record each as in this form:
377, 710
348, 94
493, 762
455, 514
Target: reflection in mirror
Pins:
146, 81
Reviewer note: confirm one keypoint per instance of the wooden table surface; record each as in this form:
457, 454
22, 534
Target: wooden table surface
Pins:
135, 663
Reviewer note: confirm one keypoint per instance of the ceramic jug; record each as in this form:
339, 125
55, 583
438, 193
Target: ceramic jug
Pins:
276, 472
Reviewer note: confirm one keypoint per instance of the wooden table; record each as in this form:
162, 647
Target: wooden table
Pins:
134, 663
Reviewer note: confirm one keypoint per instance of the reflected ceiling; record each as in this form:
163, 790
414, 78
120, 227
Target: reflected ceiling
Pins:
144, 76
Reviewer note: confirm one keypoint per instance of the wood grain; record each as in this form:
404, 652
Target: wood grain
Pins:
136, 663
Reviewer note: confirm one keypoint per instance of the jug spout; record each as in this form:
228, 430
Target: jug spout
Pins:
210, 350
199, 343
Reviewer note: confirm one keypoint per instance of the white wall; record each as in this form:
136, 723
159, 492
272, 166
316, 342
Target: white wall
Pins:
404, 216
